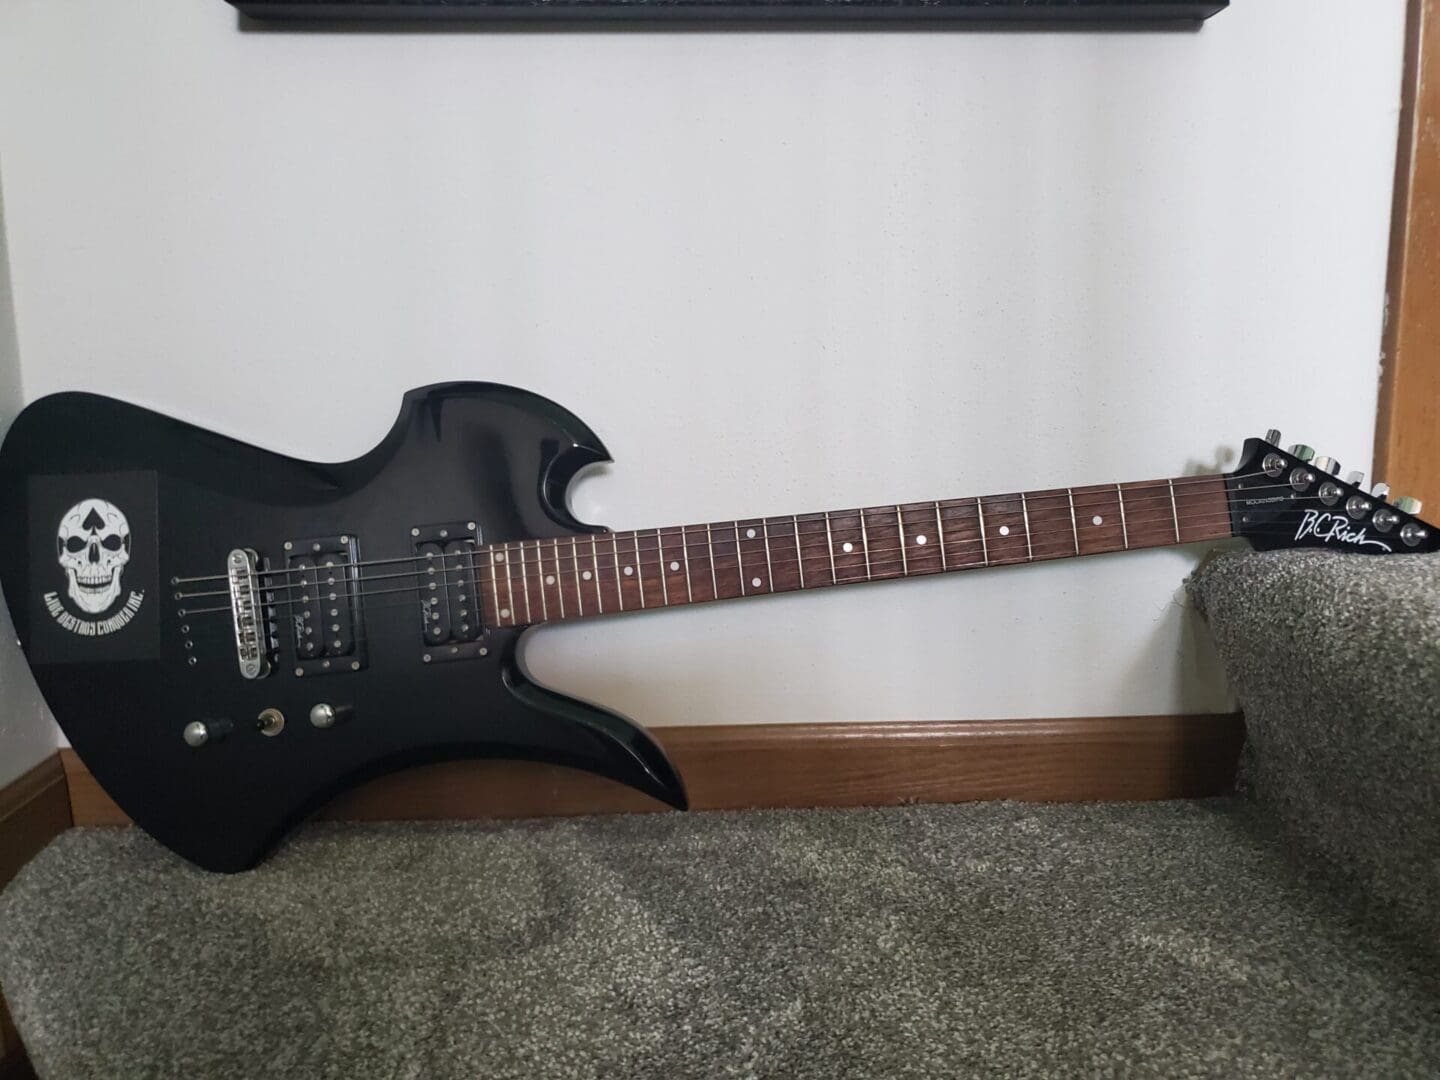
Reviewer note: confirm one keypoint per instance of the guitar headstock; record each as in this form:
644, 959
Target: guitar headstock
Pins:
1290, 498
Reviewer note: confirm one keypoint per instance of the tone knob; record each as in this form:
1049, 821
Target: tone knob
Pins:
1273, 437
325, 715
1406, 505
1301, 451
1380, 491
196, 733
1327, 464
1354, 478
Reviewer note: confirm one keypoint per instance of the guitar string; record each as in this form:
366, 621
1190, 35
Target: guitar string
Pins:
577, 558
878, 559
1055, 494
1137, 506
1136, 503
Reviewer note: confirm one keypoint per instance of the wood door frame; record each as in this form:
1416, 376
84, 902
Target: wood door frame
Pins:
1407, 428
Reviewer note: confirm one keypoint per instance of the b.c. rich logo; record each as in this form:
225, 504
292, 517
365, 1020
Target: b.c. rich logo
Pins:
92, 545
1335, 527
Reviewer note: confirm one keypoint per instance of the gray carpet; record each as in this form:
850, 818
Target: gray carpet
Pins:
1266, 936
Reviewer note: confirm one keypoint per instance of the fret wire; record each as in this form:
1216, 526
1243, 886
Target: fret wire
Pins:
509, 587
1074, 528
685, 554
1124, 529
639, 577
595, 569
799, 555
739, 558
664, 585
559, 588
865, 544
984, 547
1174, 511
769, 573
579, 590
494, 589
904, 561
830, 546
714, 582
525, 581
1025, 510
940, 530
619, 591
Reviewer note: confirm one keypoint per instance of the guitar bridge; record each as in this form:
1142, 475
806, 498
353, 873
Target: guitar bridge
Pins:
247, 613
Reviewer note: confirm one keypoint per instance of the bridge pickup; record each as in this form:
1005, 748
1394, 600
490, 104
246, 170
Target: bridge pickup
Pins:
321, 591
450, 626
247, 614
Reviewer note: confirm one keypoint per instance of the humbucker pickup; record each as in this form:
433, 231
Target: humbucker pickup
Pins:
321, 593
449, 592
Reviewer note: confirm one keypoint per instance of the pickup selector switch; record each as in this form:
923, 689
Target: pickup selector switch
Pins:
270, 722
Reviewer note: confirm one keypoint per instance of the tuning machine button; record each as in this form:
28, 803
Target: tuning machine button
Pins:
325, 715
1273, 437
1327, 464
1301, 451
1354, 477
1380, 491
1357, 506
1406, 505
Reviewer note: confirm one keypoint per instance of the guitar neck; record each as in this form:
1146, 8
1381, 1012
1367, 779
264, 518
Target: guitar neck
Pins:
572, 577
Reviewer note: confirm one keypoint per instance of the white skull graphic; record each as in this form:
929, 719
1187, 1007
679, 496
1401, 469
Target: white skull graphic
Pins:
94, 545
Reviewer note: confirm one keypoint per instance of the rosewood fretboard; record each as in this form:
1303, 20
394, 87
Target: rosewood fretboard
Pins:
535, 581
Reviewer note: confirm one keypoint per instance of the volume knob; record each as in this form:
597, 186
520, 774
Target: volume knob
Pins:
1301, 451
196, 733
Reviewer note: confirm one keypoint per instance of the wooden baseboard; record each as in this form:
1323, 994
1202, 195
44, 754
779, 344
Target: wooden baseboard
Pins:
796, 765
33, 810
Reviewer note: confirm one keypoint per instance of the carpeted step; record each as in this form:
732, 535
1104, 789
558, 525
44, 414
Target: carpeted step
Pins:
1159, 939
1336, 662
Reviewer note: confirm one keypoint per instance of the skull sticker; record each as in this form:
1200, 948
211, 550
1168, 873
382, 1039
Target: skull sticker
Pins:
93, 546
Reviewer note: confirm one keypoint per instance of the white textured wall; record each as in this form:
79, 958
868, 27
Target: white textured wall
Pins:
776, 272
27, 733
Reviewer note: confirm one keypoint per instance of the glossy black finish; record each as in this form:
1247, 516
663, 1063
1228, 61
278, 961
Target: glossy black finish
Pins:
1289, 506
1156, 14
494, 455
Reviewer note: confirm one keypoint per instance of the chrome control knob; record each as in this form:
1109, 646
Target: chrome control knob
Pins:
1273, 437
1354, 478
322, 715
196, 733
1301, 451
1327, 464
1406, 505
1380, 491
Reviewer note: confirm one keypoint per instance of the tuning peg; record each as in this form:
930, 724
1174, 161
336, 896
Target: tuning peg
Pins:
1354, 478
1301, 451
1406, 505
1327, 464
1273, 437
1380, 491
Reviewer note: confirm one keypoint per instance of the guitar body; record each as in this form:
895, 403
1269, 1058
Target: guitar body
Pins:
119, 520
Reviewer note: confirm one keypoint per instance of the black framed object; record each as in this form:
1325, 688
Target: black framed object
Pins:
1159, 14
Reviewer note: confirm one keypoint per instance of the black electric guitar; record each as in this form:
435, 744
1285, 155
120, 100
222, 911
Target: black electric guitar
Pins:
230, 637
